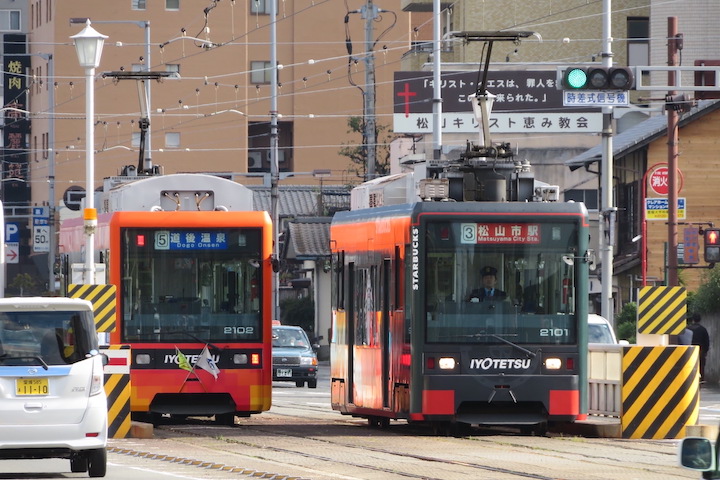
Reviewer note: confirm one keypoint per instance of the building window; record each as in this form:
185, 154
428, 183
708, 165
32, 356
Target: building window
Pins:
260, 6
172, 139
259, 147
10, 20
172, 4
138, 4
588, 197
638, 46
260, 72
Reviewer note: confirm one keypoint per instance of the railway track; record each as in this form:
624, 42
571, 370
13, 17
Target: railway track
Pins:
305, 440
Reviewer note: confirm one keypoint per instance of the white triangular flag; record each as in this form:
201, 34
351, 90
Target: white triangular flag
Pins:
206, 362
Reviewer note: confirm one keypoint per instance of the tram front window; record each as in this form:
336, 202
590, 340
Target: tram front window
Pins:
536, 283
177, 287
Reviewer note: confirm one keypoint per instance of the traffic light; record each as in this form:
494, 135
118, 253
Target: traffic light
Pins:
598, 78
711, 245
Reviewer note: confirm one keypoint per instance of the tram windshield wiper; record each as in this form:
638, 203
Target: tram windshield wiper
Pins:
504, 340
194, 337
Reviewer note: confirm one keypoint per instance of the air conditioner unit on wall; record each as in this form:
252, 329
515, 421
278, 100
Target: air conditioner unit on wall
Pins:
255, 160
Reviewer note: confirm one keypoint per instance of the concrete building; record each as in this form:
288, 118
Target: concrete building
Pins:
217, 116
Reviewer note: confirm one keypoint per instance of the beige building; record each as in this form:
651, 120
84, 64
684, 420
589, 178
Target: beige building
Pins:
216, 117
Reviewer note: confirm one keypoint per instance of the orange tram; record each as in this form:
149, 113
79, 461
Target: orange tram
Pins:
191, 262
411, 340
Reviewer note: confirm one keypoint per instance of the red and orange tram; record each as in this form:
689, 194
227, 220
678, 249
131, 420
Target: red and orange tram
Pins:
410, 338
191, 261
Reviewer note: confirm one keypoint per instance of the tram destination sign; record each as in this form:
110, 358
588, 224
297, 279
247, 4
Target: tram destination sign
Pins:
475, 233
190, 240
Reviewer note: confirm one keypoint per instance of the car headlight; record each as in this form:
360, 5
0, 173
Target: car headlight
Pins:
308, 361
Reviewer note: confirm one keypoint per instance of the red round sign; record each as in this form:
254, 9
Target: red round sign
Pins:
659, 181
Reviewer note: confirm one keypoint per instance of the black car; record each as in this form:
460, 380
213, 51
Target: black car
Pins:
294, 357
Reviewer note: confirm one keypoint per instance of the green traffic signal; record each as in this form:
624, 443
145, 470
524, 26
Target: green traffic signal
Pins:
598, 78
576, 78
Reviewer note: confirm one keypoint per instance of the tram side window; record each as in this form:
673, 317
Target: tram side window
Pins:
365, 298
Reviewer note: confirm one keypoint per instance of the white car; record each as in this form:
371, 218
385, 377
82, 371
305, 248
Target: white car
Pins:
600, 330
52, 397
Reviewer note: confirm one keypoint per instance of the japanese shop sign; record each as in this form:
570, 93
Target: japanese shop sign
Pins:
657, 208
15, 185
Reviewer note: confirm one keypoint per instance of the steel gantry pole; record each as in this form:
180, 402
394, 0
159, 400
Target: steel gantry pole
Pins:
274, 165
607, 207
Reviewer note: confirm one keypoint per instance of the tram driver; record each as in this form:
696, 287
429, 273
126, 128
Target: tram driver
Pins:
489, 290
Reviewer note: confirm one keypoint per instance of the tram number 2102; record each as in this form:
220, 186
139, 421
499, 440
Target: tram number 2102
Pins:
240, 330
554, 332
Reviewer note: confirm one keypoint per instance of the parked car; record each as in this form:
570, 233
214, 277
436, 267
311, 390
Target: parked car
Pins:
294, 357
600, 330
52, 397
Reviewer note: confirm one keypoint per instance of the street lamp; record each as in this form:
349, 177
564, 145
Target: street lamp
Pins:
88, 45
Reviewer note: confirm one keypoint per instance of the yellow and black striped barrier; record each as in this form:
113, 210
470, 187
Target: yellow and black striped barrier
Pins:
660, 391
117, 389
103, 299
662, 310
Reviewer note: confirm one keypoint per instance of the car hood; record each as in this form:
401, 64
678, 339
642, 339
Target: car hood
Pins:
292, 351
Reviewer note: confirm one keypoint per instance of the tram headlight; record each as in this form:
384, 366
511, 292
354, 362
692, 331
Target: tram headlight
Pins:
553, 363
142, 359
446, 363
240, 359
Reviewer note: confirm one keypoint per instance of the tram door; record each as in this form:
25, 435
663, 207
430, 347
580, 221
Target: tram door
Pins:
350, 336
385, 344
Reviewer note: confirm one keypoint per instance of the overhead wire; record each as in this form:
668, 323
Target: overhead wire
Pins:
335, 89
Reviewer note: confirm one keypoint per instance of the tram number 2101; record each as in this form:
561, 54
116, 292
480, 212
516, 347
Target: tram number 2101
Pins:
554, 332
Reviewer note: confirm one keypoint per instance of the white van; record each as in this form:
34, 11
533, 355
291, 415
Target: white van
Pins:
52, 397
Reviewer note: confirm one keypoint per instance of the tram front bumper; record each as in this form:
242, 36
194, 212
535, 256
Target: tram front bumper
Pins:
500, 399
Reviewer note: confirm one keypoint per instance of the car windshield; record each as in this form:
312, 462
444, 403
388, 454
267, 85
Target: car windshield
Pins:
289, 337
599, 333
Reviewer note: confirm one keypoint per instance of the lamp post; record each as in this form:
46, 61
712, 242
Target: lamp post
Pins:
88, 46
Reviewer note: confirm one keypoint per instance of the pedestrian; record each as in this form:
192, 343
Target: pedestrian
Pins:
701, 338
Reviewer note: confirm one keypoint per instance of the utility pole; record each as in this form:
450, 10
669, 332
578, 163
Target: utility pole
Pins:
673, 117
274, 165
437, 90
370, 13
607, 208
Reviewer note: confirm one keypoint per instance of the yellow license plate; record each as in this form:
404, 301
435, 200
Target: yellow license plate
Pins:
31, 386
